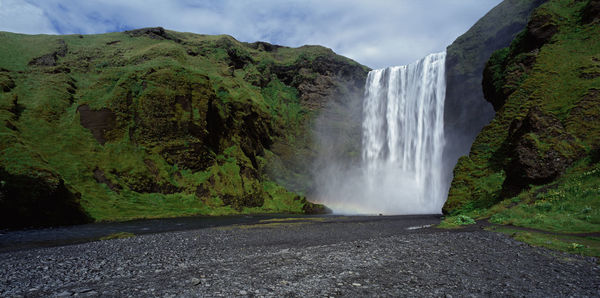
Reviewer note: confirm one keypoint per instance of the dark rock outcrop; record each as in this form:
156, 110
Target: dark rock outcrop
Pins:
154, 33
312, 208
540, 29
540, 149
99, 122
6, 82
265, 46
51, 58
335, 78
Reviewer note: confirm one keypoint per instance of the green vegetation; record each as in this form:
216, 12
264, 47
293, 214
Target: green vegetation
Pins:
119, 235
452, 222
536, 164
580, 245
149, 123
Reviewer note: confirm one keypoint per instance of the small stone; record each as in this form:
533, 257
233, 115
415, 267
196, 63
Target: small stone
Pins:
242, 292
356, 284
63, 294
195, 281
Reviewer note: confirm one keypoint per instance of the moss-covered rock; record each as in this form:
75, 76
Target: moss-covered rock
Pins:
545, 130
539, 150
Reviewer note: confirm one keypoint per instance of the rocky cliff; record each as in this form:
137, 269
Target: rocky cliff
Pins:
466, 112
537, 163
152, 123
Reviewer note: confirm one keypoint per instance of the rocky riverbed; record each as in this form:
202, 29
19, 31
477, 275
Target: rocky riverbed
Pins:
338, 256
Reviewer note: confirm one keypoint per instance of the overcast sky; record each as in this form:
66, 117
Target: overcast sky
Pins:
377, 33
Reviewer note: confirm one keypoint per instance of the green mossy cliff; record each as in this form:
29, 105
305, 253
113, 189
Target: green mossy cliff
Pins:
465, 110
154, 123
537, 163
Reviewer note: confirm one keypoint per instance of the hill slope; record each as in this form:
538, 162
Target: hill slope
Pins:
151, 123
537, 163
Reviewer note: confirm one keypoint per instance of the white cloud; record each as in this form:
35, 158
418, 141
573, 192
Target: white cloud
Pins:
22, 17
377, 33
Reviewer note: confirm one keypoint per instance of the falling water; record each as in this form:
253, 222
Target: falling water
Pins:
402, 143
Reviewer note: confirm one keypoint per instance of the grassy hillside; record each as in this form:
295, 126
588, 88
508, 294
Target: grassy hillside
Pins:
154, 123
537, 164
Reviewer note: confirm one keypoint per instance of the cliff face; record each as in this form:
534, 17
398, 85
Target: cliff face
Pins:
466, 112
536, 163
151, 122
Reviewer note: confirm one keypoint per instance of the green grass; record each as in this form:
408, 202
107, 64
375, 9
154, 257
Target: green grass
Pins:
453, 222
119, 235
571, 205
585, 246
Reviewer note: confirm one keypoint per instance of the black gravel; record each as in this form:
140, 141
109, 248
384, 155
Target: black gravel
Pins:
361, 256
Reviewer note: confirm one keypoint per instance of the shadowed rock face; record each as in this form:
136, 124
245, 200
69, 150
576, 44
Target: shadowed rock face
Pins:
38, 200
6, 82
591, 12
466, 111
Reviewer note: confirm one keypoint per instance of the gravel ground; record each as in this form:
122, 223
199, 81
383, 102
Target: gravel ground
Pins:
337, 257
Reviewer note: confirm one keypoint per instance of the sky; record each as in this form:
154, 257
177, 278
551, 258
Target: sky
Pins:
376, 33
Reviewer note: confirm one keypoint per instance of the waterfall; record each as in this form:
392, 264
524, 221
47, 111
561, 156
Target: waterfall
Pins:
403, 136
402, 142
